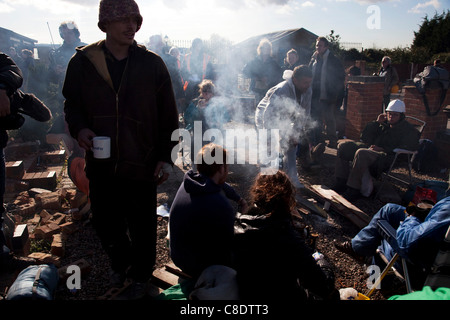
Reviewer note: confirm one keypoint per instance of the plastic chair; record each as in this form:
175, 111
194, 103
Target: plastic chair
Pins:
420, 126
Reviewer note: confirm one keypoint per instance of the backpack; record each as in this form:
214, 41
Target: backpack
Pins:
425, 160
432, 77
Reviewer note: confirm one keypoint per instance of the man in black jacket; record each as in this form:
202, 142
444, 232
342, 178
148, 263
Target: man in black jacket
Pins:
117, 88
328, 83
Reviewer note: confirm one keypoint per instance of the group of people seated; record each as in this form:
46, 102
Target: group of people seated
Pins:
261, 244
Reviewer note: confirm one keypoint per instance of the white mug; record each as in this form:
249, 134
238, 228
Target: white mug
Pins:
101, 147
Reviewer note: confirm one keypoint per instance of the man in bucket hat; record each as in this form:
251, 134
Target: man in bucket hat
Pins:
117, 88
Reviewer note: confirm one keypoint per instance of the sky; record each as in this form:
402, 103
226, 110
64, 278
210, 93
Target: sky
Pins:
374, 24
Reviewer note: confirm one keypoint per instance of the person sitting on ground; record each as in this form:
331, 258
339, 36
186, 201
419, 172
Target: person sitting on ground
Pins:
208, 109
419, 233
375, 150
201, 216
271, 258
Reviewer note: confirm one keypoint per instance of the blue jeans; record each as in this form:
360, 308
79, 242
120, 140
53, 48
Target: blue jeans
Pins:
369, 239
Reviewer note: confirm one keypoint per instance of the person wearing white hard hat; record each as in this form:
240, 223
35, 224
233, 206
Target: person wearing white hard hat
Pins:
373, 154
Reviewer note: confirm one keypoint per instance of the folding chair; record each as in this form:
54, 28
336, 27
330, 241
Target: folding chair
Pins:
420, 126
438, 276
440, 271
390, 235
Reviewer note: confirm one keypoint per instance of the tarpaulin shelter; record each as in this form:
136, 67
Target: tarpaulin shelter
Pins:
301, 40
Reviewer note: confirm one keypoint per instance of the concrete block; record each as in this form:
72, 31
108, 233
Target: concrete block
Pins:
58, 218
57, 248
45, 180
49, 200
20, 239
45, 258
46, 231
53, 157
14, 169
68, 228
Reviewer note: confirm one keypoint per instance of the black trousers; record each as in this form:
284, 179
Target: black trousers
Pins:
124, 217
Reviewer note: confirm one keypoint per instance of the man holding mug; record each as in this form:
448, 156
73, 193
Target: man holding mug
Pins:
118, 89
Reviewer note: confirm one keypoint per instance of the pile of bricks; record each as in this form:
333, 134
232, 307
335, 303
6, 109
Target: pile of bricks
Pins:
45, 215
37, 209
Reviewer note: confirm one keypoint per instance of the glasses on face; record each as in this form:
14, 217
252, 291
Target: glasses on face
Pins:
393, 114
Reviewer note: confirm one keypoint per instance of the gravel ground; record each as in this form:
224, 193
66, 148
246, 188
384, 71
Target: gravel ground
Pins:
349, 273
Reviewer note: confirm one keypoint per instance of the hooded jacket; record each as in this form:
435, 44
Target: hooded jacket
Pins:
139, 118
421, 240
201, 224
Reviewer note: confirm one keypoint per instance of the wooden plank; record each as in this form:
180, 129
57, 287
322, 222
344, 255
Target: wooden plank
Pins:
342, 205
171, 267
164, 279
311, 206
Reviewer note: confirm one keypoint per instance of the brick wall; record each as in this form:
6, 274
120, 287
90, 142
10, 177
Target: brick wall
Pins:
365, 95
364, 104
416, 108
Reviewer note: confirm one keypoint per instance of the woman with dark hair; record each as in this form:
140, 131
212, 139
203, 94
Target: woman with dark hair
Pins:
272, 260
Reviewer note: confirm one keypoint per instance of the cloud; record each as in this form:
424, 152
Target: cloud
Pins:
84, 3
52, 6
5, 8
367, 1
419, 8
308, 4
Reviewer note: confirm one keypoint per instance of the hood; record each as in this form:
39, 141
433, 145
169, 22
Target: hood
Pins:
196, 183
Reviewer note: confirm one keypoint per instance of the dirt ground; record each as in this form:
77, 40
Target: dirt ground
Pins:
348, 272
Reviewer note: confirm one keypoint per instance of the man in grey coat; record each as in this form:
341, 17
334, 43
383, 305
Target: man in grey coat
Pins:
286, 107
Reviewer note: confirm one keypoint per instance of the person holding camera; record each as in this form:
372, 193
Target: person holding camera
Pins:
420, 229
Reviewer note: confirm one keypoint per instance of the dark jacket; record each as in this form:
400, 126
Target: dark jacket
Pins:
257, 69
402, 135
10, 80
271, 257
391, 78
335, 76
201, 224
140, 118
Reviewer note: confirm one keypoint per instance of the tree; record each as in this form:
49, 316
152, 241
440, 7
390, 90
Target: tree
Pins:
434, 34
334, 42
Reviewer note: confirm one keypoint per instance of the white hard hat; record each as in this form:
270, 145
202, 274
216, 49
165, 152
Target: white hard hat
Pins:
396, 106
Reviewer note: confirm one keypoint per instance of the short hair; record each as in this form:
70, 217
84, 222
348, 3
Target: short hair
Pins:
302, 71
69, 25
387, 58
206, 85
292, 51
324, 40
210, 151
